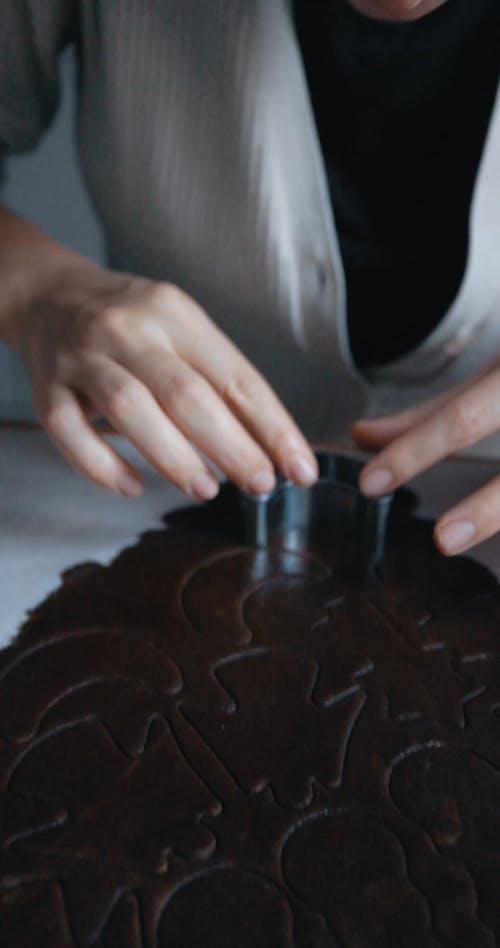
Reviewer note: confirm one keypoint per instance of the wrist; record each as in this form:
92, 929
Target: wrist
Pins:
28, 295
35, 272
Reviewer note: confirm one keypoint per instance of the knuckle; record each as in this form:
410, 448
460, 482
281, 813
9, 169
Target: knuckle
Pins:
63, 364
123, 400
240, 390
183, 390
403, 460
243, 456
102, 330
111, 322
167, 297
180, 314
55, 419
463, 421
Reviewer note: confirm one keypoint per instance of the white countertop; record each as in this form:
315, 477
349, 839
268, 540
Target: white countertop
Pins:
51, 519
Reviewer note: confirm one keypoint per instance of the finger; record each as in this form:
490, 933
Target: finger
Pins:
374, 433
246, 393
468, 417
199, 412
134, 412
86, 451
471, 521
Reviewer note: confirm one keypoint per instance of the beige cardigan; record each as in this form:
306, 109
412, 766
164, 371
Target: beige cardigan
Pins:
199, 149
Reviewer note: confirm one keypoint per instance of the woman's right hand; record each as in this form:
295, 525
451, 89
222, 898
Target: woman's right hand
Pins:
146, 357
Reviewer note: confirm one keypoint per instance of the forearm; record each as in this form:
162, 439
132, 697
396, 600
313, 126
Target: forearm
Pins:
33, 267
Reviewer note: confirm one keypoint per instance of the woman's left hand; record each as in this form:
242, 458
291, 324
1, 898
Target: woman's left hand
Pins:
414, 440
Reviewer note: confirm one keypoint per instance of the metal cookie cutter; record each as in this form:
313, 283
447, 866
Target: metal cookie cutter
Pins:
288, 515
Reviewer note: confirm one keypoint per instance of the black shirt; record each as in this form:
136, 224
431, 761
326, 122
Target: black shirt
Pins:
402, 110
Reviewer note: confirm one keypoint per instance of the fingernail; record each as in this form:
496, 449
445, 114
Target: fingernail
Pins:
129, 486
204, 486
456, 536
262, 483
378, 481
302, 471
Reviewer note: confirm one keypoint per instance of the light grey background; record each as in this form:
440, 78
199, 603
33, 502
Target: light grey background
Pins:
45, 186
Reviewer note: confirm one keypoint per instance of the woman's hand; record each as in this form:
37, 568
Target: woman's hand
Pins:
414, 440
145, 356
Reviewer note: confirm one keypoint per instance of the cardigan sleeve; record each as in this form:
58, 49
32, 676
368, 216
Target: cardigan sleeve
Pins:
33, 33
